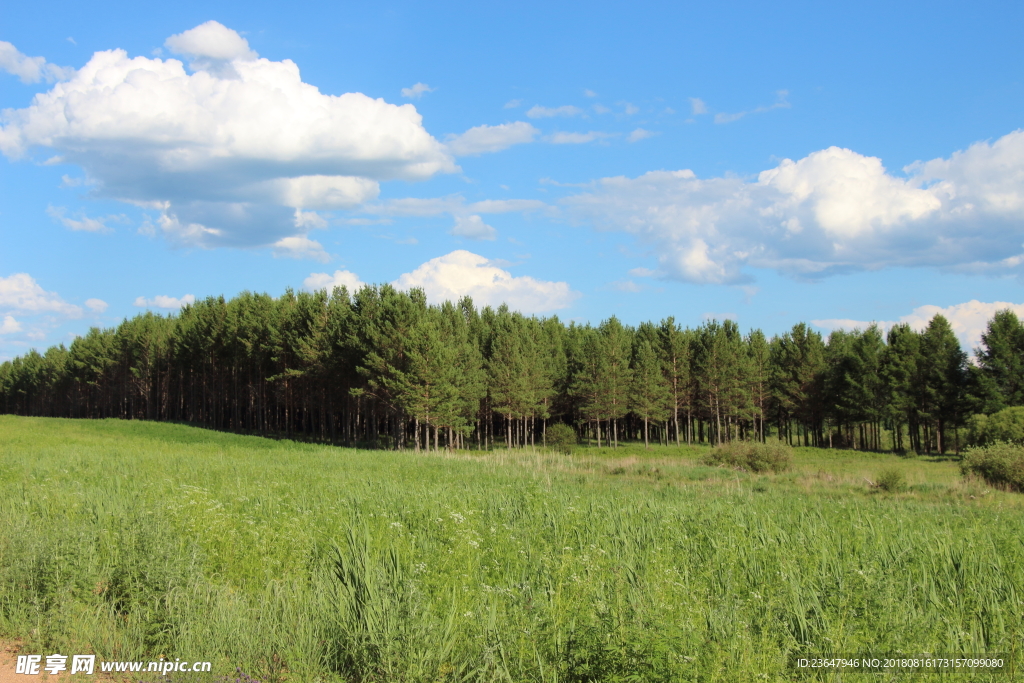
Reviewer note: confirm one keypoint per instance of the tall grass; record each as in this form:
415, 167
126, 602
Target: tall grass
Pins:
306, 563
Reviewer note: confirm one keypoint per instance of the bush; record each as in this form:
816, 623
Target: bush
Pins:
1000, 464
560, 437
751, 455
891, 480
1006, 425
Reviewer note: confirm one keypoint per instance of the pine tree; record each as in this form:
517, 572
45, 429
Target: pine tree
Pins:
649, 393
1001, 363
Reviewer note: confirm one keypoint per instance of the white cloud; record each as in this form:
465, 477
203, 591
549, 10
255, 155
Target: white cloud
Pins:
539, 112
697, 106
640, 134
21, 293
227, 152
577, 138
9, 325
506, 205
833, 211
630, 109
309, 219
452, 204
483, 139
211, 40
83, 222
589, 93
96, 305
462, 273
300, 247
601, 109
416, 91
161, 301
473, 227
341, 278
30, 69
513, 104
968, 320
780, 103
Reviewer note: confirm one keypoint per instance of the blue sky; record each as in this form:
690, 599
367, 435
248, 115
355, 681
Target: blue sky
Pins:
835, 164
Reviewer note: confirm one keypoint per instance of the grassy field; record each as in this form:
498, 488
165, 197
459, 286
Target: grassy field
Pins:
299, 562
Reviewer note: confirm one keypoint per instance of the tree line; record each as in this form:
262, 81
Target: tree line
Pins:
381, 368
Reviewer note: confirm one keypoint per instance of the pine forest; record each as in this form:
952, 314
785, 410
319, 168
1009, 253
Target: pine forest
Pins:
382, 368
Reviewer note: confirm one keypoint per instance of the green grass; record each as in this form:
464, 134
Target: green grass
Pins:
308, 563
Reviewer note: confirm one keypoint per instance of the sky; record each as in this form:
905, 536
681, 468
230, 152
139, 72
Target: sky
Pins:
830, 163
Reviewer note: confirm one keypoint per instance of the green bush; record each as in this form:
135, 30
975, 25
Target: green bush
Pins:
752, 456
891, 480
1000, 464
560, 437
1006, 425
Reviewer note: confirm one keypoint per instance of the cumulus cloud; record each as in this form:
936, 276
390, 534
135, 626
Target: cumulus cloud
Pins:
227, 150
341, 278
83, 223
483, 139
21, 293
697, 106
462, 273
9, 325
161, 301
473, 227
539, 112
833, 211
416, 91
30, 69
212, 47
968, 320
211, 40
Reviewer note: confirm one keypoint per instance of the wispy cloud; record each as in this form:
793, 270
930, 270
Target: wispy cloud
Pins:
577, 138
82, 222
539, 112
780, 103
640, 134
484, 139
417, 91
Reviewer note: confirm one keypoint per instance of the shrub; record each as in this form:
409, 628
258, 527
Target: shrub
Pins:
891, 480
751, 455
560, 437
999, 464
1006, 425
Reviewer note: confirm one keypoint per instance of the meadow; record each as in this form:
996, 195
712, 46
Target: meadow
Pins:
279, 560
